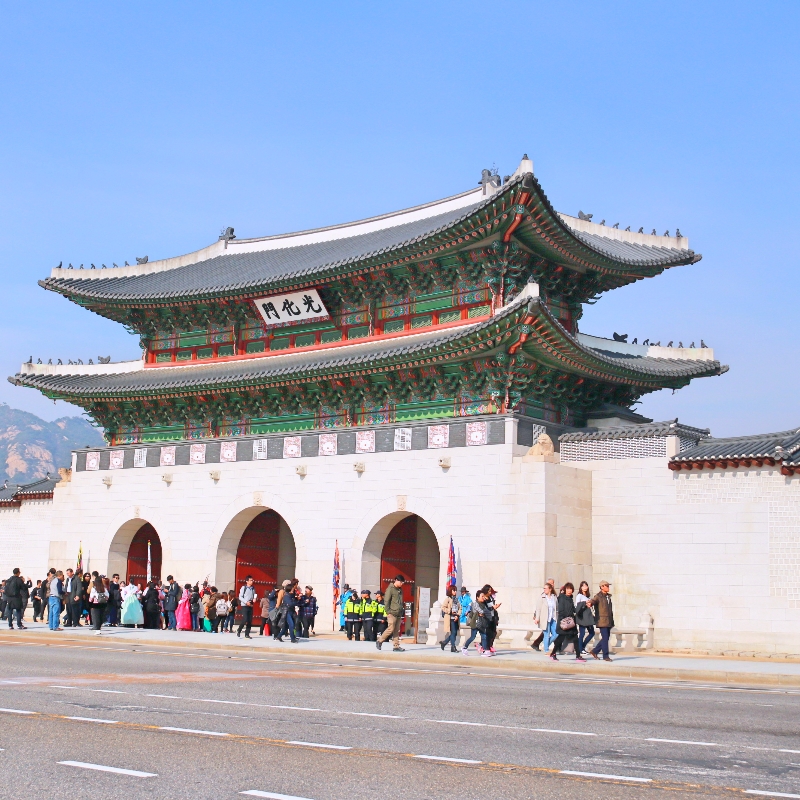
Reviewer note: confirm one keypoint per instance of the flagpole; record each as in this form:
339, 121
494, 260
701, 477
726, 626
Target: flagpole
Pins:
149, 567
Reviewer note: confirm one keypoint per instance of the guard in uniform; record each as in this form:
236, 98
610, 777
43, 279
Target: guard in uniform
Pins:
369, 607
379, 623
352, 615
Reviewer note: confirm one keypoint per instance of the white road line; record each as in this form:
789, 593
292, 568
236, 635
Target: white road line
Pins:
317, 744
16, 683
168, 696
64, 687
191, 730
789, 751
91, 719
683, 741
457, 722
770, 794
607, 777
364, 714
273, 795
550, 730
454, 760
107, 691
101, 768
16, 711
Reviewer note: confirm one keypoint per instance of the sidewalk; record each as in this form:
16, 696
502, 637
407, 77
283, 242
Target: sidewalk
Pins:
638, 665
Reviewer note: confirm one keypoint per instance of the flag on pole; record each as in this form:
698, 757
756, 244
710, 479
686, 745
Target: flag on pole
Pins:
79, 566
149, 565
452, 569
335, 581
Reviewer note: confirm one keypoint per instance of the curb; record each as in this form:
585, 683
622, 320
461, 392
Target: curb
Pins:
511, 661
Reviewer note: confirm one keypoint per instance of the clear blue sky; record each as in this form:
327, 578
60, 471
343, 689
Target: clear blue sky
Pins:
144, 128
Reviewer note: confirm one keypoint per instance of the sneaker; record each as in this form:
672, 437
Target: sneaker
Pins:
553, 656
378, 645
247, 636
582, 660
536, 647
486, 654
481, 651
464, 651
98, 633
492, 650
398, 649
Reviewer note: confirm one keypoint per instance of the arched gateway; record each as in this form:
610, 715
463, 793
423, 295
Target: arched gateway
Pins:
127, 555
257, 543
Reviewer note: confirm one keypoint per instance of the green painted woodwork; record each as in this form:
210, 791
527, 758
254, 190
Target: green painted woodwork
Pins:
165, 433
279, 344
433, 410
185, 355
443, 300
255, 347
358, 333
306, 340
422, 322
296, 422
449, 316
479, 311
394, 325
330, 336
193, 339
226, 350
162, 357
205, 352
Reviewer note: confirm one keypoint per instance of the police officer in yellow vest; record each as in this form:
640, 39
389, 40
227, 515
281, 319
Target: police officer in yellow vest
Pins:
352, 616
370, 606
379, 618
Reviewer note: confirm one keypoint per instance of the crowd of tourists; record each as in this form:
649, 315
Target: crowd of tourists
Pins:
567, 620
70, 600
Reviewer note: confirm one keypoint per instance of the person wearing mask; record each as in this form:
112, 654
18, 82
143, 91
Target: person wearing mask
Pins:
247, 599
132, 614
604, 616
172, 596
16, 596
55, 591
352, 615
584, 616
73, 596
567, 626
98, 600
546, 616
537, 642
308, 611
379, 623
114, 601
36, 599
393, 602
451, 611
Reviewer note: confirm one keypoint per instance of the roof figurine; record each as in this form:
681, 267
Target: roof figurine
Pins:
462, 306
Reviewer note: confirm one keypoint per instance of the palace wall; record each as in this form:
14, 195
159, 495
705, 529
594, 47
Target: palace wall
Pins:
713, 556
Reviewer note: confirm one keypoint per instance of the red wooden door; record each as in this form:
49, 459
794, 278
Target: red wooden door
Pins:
137, 555
399, 557
257, 554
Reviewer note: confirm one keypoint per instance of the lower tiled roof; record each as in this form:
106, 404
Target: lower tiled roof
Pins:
669, 427
783, 447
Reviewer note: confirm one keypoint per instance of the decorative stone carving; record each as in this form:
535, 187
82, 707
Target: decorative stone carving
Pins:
543, 450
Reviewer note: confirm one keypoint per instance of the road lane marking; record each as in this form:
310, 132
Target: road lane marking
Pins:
168, 696
770, 794
107, 691
457, 722
365, 714
317, 744
116, 770
273, 795
452, 760
789, 751
683, 741
63, 687
552, 730
607, 777
192, 730
15, 711
16, 683
91, 719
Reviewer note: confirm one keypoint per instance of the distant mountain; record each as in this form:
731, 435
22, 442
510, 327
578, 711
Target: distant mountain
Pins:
31, 447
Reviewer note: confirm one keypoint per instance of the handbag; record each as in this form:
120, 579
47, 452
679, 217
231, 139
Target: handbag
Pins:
567, 624
206, 625
471, 619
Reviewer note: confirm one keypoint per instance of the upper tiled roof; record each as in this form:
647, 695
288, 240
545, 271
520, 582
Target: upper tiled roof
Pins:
251, 266
783, 446
12, 494
670, 427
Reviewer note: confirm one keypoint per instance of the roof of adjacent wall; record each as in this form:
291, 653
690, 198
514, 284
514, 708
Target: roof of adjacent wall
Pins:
783, 446
669, 427
12, 495
253, 266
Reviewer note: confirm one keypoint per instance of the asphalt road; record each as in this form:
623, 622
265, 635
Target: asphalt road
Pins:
203, 724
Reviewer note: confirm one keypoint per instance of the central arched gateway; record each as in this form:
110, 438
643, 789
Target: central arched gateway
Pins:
136, 569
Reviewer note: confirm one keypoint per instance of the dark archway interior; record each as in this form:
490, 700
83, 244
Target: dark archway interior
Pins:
266, 551
137, 555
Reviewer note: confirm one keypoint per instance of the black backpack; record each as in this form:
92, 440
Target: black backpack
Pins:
12, 586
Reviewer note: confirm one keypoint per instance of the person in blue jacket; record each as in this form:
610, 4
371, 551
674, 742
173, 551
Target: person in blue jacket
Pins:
346, 592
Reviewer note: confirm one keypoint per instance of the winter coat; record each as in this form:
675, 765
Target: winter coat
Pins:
603, 610
172, 597
566, 608
393, 600
16, 592
541, 612
485, 617
265, 606
451, 606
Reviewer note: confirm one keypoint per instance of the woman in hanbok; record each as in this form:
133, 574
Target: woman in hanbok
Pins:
131, 607
183, 614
